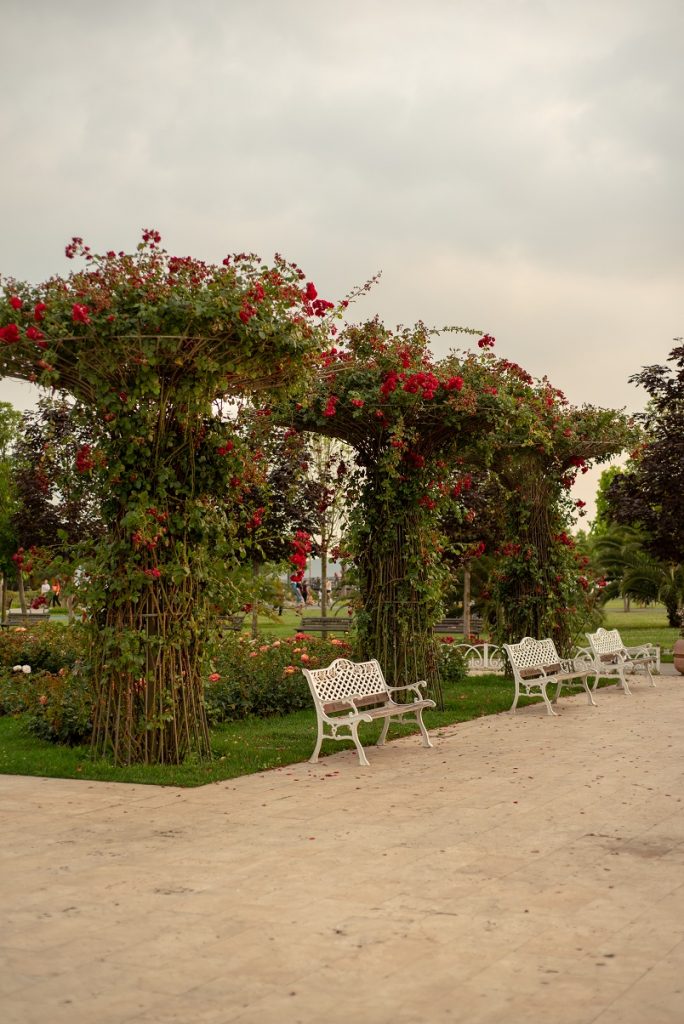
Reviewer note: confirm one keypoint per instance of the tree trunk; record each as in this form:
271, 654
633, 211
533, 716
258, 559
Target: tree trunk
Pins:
146, 664
255, 599
324, 574
22, 592
395, 623
466, 601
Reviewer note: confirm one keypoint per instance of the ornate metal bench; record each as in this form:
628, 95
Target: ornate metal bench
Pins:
536, 664
346, 694
609, 657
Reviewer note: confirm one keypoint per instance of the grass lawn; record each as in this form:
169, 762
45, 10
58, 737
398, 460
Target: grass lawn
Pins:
254, 745
240, 748
642, 625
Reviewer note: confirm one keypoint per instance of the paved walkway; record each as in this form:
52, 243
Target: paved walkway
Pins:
525, 869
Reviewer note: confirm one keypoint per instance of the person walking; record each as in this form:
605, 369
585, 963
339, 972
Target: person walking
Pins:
56, 588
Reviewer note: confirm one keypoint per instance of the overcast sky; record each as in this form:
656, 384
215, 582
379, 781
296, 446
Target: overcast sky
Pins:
511, 165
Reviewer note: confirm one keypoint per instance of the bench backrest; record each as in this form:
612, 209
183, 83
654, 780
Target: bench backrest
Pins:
605, 642
530, 655
344, 679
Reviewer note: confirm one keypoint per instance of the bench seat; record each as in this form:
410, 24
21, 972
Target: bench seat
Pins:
327, 624
455, 625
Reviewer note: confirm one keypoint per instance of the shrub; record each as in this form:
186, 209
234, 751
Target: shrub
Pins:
46, 646
263, 677
452, 666
59, 707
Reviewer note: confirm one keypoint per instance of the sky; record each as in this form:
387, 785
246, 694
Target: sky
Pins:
509, 165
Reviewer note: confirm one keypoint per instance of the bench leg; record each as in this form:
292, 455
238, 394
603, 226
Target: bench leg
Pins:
590, 699
515, 699
423, 730
383, 734
623, 682
317, 749
363, 760
549, 709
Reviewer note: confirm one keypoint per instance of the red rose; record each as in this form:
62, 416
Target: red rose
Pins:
9, 334
311, 292
15, 302
38, 311
34, 334
79, 314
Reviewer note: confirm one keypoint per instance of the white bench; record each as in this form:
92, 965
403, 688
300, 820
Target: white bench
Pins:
346, 694
536, 665
609, 657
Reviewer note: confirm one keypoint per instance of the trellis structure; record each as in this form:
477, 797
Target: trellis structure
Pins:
148, 341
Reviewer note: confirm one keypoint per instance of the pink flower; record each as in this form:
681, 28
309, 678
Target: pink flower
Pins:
305, 657
214, 677
79, 314
288, 670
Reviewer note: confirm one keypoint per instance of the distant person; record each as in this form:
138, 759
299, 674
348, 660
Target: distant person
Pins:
45, 589
56, 589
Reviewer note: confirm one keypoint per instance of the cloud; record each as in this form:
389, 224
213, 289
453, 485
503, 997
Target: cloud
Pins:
512, 164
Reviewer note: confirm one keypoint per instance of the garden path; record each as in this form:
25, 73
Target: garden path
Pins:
525, 868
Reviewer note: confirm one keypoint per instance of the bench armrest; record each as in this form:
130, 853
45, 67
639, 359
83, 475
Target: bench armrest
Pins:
578, 665
412, 686
649, 649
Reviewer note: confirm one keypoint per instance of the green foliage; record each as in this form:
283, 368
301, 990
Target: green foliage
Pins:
452, 666
263, 677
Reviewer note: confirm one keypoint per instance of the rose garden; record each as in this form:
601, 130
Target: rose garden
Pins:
208, 430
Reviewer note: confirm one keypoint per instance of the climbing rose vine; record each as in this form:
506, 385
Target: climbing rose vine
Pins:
148, 342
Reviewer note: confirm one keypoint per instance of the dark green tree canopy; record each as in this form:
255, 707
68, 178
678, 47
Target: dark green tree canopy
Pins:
649, 492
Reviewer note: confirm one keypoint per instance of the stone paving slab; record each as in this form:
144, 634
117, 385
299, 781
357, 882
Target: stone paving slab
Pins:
525, 868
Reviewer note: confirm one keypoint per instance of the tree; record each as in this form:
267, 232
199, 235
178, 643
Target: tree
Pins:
648, 493
145, 343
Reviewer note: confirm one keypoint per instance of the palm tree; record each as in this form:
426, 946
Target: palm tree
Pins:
632, 572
